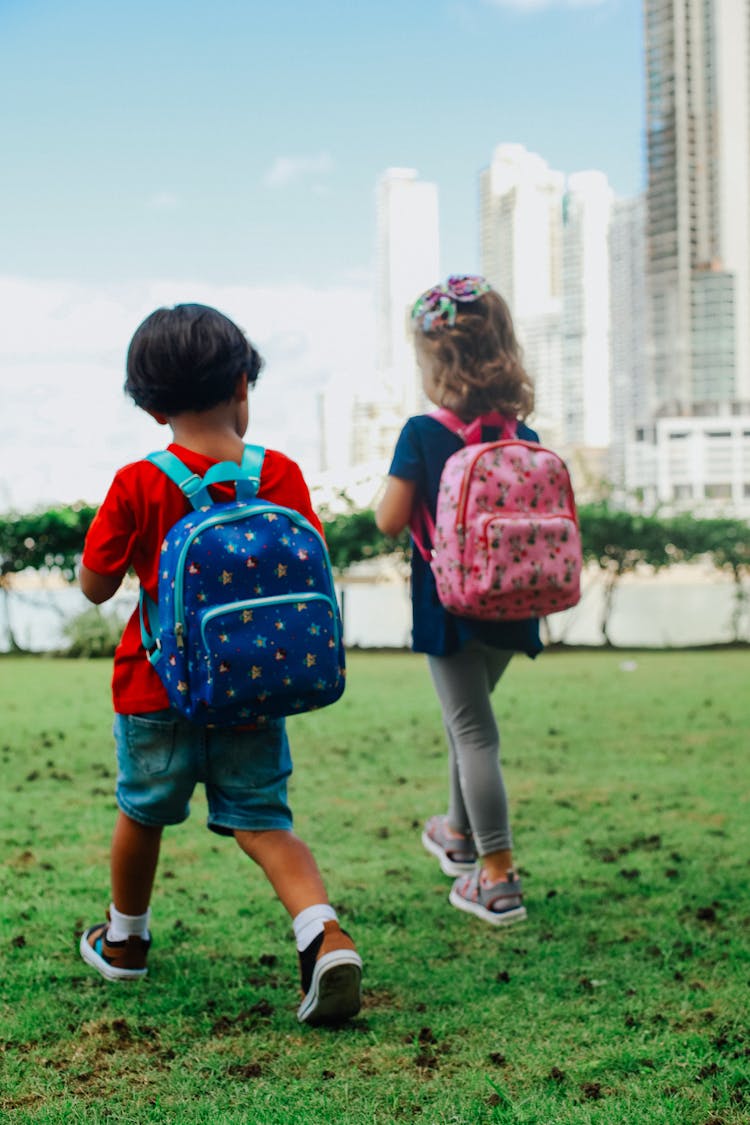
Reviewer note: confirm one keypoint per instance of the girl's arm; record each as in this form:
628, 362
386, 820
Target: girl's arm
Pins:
394, 510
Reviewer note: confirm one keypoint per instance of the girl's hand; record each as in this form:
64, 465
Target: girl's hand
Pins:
394, 510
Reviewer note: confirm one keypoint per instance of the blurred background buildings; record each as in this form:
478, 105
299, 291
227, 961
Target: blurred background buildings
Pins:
633, 314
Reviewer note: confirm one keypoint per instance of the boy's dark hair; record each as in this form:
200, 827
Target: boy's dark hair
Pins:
189, 357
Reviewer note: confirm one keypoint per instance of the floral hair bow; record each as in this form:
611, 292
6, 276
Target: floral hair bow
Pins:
437, 307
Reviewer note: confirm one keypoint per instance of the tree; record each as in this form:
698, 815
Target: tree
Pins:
618, 542
727, 543
352, 536
50, 540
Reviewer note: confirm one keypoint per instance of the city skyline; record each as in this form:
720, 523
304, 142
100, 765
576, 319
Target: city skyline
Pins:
233, 160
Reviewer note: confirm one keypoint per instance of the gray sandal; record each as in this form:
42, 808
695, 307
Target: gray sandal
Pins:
500, 904
457, 854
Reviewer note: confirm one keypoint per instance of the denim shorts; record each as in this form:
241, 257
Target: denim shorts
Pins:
161, 758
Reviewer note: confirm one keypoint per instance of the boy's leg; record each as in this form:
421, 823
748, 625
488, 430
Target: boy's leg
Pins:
155, 779
289, 866
330, 966
246, 786
118, 947
133, 861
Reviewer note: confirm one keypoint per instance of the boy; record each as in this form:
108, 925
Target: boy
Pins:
190, 368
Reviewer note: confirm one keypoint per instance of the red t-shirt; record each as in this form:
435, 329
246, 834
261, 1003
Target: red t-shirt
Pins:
141, 506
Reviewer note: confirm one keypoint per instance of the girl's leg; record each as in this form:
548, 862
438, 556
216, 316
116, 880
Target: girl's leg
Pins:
464, 683
458, 817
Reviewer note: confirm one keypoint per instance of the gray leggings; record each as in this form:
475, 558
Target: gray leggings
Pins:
478, 801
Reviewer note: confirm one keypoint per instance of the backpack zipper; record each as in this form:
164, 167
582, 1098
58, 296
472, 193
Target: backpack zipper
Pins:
492, 517
463, 495
257, 603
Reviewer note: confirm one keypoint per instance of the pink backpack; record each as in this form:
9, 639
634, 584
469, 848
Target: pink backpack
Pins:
506, 543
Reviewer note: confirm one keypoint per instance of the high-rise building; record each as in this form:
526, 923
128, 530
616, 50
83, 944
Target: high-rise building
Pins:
407, 263
585, 335
408, 252
520, 230
631, 406
698, 252
698, 201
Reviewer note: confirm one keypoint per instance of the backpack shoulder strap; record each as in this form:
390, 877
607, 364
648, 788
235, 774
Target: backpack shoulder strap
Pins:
471, 432
195, 487
188, 482
422, 526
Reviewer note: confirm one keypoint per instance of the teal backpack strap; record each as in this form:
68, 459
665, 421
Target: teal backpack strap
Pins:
195, 488
246, 475
188, 482
252, 463
148, 612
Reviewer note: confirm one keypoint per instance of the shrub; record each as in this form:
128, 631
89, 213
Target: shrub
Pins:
93, 633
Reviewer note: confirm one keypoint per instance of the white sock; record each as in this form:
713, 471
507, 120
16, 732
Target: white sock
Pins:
309, 923
122, 926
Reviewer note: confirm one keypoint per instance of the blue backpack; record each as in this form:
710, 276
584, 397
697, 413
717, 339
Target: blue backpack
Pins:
246, 626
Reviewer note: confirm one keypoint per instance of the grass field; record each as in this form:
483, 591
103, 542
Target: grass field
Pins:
622, 1000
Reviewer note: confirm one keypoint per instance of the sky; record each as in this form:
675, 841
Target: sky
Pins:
156, 152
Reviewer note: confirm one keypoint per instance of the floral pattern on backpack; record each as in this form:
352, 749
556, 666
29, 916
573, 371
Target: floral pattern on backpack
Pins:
505, 541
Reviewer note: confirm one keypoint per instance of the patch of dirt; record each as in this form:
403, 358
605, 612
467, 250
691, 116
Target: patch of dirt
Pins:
245, 1070
246, 1019
378, 998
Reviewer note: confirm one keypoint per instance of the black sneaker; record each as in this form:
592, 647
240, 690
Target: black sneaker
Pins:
331, 972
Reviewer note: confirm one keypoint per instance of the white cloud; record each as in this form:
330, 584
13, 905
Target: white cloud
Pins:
66, 426
163, 201
286, 169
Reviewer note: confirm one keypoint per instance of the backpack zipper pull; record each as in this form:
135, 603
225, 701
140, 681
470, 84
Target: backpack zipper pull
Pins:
178, 631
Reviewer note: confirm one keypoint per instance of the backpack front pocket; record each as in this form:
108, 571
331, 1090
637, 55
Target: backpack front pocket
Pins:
525, 565
273, 655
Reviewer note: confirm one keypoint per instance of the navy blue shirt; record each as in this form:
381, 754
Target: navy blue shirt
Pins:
422, 449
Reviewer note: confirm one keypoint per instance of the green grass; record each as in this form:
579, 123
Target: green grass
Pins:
623, 1000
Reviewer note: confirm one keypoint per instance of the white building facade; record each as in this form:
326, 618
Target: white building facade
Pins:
407, 263
697, 462
520, 230
698, 252
586, 315
631, 405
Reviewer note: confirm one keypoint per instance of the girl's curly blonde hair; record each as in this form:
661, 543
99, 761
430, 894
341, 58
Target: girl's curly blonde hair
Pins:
476, 363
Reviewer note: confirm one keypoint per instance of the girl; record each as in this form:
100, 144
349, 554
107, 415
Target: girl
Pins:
470, 364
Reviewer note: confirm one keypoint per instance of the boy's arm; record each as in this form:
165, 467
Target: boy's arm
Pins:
98, 588
108, 550
394, 510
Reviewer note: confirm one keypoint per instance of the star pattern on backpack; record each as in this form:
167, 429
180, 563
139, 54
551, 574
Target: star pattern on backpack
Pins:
255, 630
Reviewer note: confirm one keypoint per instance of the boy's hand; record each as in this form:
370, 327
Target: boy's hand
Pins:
98, 588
